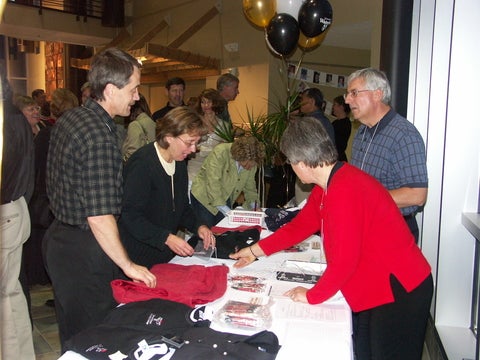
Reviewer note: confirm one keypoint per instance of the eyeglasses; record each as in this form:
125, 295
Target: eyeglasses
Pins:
188, 143
33, 108
354, 93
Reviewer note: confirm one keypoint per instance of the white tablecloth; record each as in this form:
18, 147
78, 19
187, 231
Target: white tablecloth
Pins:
310, 331
313, 331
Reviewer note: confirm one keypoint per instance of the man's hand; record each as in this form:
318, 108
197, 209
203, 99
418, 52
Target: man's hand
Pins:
105, 230
140, 273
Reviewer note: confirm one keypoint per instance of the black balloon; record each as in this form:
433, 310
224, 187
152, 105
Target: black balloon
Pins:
314, 17
283, 33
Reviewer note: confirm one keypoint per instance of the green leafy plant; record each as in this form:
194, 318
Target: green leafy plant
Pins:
269, 128
225, 131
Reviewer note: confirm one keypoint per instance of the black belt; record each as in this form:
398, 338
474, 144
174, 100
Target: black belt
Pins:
77, 226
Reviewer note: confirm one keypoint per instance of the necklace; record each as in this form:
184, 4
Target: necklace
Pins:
370, 143
323, 215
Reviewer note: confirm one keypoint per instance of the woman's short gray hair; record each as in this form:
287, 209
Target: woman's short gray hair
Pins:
305, 139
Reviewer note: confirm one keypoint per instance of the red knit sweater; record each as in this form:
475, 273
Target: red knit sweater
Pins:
365, 240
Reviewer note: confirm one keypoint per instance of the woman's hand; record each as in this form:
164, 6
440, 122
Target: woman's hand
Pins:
298, 294
207, 236
179, 246
246, 256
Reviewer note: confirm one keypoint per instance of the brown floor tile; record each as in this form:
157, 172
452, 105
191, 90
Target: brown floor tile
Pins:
40, 345
48, 356
46, 341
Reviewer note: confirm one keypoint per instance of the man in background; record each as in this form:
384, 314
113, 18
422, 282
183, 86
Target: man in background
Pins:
82, 247
227, 86
175, 88
16, 190
311, 102
386, 145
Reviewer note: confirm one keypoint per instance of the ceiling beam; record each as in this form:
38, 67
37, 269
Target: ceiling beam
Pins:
148, 36
184, 56
187, 75
187, 34
80, 63
117, 40
152, 66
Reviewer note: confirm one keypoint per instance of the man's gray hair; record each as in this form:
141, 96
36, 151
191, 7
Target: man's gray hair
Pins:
374, 80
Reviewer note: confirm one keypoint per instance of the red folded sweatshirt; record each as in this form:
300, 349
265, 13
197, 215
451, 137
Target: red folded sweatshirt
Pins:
191, 285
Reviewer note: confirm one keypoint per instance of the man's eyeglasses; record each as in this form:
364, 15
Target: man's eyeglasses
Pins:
188, 143
354, 93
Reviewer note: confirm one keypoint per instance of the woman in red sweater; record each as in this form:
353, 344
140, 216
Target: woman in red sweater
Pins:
371, 255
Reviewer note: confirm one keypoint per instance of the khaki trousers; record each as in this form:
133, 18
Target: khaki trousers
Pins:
16, 329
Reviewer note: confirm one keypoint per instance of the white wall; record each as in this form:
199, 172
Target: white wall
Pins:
444, 79
36, 70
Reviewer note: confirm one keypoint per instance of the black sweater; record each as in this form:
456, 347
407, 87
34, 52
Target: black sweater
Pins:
149, 211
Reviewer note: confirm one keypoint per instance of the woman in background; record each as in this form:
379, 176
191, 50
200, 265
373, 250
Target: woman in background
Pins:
373, 260
41, 217
141, 129
228, 171
31, 110
210, 104
155, 199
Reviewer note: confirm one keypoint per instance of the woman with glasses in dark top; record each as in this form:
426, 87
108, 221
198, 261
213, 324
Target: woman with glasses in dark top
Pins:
155, 200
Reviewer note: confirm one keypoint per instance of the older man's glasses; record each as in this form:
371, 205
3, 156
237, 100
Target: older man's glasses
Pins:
188, 143
354, 93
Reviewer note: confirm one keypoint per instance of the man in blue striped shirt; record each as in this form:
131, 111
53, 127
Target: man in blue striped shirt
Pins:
386, 145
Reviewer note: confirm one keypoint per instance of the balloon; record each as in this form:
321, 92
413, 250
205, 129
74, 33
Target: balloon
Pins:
259, 12
270, 45
315, 17
290, 7
307, 43
283, 33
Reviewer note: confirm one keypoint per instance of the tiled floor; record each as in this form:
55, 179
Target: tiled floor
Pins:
45, 331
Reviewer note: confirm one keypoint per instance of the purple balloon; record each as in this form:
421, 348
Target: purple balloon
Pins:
314, 17
283, 33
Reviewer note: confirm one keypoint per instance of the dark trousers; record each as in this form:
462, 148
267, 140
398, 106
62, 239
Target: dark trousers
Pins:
412, 225
396, 330
204, 214
81, 274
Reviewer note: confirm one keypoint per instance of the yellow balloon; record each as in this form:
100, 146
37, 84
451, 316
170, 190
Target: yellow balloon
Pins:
307, 43
259, 12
